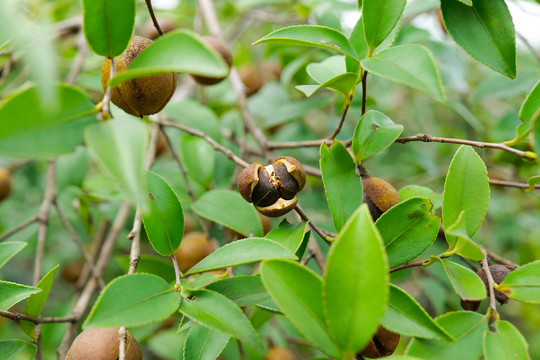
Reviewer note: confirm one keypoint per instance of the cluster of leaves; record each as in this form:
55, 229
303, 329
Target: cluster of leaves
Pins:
335, 308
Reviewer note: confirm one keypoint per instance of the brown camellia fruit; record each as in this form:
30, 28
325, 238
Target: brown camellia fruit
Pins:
194, 247
5, 183
379, 195
149, 31
276, 353
102, 344
225, 53
498, 272
383, 343
140, 96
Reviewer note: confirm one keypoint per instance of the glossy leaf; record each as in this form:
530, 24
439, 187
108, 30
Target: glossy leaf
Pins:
532, 182
204, 344
119, 148
412, 65
466, 327
151, 264
528, 113
17, 350
108, 25
313, 36
523, 283
289, 235
466, 189
355, 289
410, 191
465, 282
9, 249
342, 186
162, 216
408, 229
485, 31
216, 312
119, 305
298, 293
216, 206
374, 132
36, 302
199, 158
177, 51
12, 293
379, 17
33, 129
405, 316
243, 290
341, 84
505, 343
241, 252
462, 244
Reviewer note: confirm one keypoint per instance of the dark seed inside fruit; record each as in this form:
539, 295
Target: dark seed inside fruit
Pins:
264, 193
288, 187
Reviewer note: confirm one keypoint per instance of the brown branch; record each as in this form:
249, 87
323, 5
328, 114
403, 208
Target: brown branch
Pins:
512, 184
491, 282
105, 110
409, 265
500, 259
82, 51
364, 92
18, 228
315, 228
153, 16
16, 316
341, 121
98, 242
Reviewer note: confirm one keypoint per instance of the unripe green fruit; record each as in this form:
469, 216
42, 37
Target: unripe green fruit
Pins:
225, 53
141, 96
5, 183
102, 344
379, 195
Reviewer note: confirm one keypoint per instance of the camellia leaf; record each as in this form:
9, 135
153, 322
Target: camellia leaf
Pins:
119, 147
311, 35
505, 343
177, 51
462, 244
35, 303
12, 293
17, 350
466, 189
289, 235
466, 327
412, 65
355, 288
162, 216
523, 283
532, 182
133, 300
9, 249
405, 316
242, 252
374, 132
108, 25
33, 129
464, 281
343, 187
243, 290
408, 229
485, 31
216, 206
151, 264
199, 158
379, 18
297, 291
410, 191
342, 84
528, 113
204, 344
216, 312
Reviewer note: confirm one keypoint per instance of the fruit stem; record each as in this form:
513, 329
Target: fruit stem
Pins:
177, 272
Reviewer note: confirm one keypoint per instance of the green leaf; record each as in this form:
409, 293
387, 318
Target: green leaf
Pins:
379, 17
9, 249
410, 191
412, 65
216, 312
405, 316
133, 300
289, 235
297, 291
505, 343
532, 182
199, 158
466, 189
119, 147
162, 216
461, 243
177, 51
343, 187
216, 206
196, 116
17, 350
151, 264
357, 266
241, 252
466, 2
485, 31
35, 303
34, 129
528, 113
466, 327
243, 290
523, 284
71, 168
313, 36
108, 25
408, 229
465, 282
12, 293
342, 84
374, 132
204, 344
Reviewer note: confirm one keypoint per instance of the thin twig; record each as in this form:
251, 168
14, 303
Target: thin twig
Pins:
18, 228
153, 16
364, 92
96, 246
177, 272
315, 228
409, 265
491, 282
341, 121
512, 184
16, 316
105, 110
82, 51
315, 251
122, 337
500, 259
